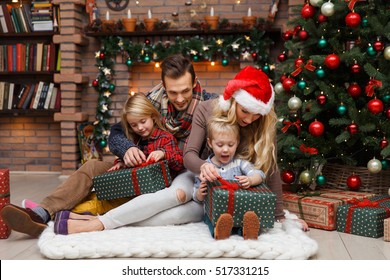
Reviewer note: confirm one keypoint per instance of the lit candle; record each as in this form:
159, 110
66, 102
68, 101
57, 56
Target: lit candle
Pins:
128, 13
212, 11
107, 15
249, 12
149, 14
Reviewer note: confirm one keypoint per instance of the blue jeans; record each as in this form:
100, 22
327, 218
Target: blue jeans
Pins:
207, 221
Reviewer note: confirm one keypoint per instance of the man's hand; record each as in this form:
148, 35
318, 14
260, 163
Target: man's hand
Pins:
134, 157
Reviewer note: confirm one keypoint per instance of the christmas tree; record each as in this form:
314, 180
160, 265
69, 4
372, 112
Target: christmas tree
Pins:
333, 98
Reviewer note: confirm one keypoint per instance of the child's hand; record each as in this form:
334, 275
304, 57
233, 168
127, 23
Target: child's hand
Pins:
202, 191
117, 166
244, 181
156, 155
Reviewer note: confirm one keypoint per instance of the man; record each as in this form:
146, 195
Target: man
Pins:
176, 99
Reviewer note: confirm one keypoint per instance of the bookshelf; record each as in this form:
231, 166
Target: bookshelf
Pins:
29, 58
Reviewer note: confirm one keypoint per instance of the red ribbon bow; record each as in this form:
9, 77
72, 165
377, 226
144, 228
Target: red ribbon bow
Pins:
309, 66
372, 84
288, 124
305, 149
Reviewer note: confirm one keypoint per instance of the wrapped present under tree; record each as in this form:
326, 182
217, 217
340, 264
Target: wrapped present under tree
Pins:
386, 230
231, 198
127, 182
5, 231
364, 217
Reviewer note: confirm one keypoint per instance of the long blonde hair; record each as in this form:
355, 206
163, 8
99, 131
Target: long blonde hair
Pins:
139, 106
257, 139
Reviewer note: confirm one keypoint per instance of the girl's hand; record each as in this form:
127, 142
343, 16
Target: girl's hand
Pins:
244, 181
134, 157
208, 172
202, 191
156, 155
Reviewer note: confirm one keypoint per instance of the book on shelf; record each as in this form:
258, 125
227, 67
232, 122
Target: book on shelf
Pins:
29, 97
26, 9
7, 18
4, 28
6, 95
17, 94
53, 98
48, 96
24, 89
42, 98
10, 95
1, 58
38, 65
2, 84
44, 25
57, 105
37, 95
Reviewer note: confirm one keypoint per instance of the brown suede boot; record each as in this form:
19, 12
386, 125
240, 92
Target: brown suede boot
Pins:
223, 226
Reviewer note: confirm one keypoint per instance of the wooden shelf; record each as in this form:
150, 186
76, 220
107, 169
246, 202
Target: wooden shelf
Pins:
29, 112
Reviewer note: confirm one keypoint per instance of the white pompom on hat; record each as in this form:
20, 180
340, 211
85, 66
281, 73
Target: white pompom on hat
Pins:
251, 89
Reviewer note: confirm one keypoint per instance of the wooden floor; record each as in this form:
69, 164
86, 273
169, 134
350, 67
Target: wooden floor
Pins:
332, 244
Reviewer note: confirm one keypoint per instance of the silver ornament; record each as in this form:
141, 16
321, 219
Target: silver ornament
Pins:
327, 9
386, 53
294, 103
278, 88
316, 3
374, 166
305, 177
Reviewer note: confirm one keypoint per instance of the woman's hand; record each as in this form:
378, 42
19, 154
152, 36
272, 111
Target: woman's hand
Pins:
208, 172
134, 157
156, 155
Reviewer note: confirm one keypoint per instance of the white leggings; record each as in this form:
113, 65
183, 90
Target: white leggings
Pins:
159, 208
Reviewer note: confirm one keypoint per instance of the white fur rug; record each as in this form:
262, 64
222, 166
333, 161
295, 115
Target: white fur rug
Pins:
285, 241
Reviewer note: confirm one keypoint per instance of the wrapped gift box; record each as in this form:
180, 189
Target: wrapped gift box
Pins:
259, 199
386, 229
129, 182
346, 196
364, 217
4, 199
317, 211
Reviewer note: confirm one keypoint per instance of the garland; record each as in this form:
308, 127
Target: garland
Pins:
253, 47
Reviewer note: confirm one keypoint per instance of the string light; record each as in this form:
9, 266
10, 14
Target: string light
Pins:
212, 63
157, 65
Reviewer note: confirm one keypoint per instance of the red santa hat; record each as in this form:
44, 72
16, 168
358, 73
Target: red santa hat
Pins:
251, 89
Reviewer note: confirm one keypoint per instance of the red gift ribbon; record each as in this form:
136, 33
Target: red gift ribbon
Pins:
288, 124
230, 187
305, 149
362, 204
309, 66
134, 177
370, 87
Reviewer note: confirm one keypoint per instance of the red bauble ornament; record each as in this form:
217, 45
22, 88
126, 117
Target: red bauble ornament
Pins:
102, 55
287, 35
352, 20
316, 128
288, 83
356, 68
354, 182
95, 83
303, 35
384, 143
297, 29
354, 90
321, 18
375, 106
282, 78
388, 113
298, 62
147, 41
308, 11
254, 55
353, 128
321, 99
332, 61
288, 176
378, 46
282, 57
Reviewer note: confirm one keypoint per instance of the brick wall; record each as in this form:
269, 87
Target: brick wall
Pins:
44, 143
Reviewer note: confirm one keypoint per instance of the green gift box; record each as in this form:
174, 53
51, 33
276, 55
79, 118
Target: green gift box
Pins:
236, 202
364, 217
132, 181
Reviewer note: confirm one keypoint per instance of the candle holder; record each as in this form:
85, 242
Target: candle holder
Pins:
108, 25
129, 24
249, 21
150, 23
212, 21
